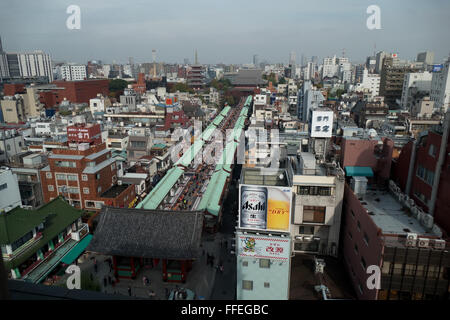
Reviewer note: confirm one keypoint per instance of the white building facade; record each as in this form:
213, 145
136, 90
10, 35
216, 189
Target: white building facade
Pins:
72, 72
440, 87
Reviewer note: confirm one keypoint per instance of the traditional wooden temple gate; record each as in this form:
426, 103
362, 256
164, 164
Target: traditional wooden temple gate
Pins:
170, 238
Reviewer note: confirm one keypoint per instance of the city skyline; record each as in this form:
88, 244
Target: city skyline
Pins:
271, 32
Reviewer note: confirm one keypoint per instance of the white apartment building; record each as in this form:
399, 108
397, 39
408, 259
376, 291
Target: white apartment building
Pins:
370, 82
73, 72
440, 87
330, 67
9, 190
318, 197
421, 81
99, 104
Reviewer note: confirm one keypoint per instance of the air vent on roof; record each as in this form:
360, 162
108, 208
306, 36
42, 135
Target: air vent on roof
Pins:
423, 243
439, 244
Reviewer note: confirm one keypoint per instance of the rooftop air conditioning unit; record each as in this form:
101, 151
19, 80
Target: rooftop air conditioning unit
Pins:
411, 236
423, 243
427, 220
414, 211
410, 243
439, 244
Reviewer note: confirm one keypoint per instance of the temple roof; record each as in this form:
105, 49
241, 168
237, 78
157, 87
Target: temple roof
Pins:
148, 233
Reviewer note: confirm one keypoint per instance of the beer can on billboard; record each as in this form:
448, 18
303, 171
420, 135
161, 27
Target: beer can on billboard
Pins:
253, 207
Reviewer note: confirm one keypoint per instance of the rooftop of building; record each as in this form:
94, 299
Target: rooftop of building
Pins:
390, 215
265, 177
56, 215
114, 191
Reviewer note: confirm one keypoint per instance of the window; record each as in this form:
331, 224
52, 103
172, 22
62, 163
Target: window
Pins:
363, 263
60, 177
350, 235
353, 214
313, 214
245, 263
356, 249
264, 263
86, 190
247, 285
306, 230
366, 238
74, 190
314, 191
266, 284
84, 177
359, 225
113, 166
48, 175
99, 189
432, 151
72, 177
51, 188
360, 288
90, 164
90, 204
3, 186
97, 176
66, 164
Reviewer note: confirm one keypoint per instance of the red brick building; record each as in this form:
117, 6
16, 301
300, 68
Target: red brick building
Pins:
74, 91
11, 89
86, 176
368, 152
423, 174
140, 87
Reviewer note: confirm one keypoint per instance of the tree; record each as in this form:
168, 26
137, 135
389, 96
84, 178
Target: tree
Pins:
182, 87
116, 85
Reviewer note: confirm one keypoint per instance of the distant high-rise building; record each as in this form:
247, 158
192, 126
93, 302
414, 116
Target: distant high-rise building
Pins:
30, 65
391, 80
255, 60
4, 72
440, 87
379, 61
426, 57
292, 59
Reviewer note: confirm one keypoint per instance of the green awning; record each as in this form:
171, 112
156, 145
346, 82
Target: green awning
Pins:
77, 250
358, 171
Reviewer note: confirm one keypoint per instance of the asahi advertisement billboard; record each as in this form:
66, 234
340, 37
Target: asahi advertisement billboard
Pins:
264, 207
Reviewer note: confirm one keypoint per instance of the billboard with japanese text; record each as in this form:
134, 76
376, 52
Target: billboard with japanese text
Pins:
322, 123
265, 208
264, 247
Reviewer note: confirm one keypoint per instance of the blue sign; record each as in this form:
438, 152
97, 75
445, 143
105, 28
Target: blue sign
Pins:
437, 67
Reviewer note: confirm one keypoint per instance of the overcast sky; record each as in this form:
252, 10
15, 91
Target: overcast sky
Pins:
230, 31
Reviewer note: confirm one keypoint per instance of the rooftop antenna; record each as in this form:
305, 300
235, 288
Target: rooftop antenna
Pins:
196, 57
